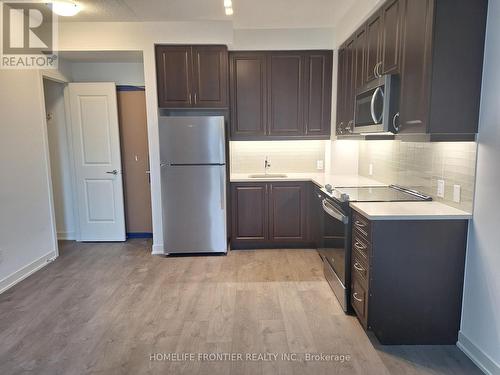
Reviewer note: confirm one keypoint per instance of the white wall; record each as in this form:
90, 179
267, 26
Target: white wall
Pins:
27, 238
60, 163
121, 73
480, 331
282, 39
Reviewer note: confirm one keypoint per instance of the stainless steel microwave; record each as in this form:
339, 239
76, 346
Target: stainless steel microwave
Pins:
376, 106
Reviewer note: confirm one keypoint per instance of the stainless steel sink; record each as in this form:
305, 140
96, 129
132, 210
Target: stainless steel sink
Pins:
268, 175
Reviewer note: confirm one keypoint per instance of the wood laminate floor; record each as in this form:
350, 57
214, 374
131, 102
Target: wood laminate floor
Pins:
105, 308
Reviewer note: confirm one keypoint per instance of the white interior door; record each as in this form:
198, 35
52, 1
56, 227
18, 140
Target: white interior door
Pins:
98, 173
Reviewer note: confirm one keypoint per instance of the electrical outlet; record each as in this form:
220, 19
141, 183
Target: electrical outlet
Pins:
456, 193
370, 169
320, 165
440, 189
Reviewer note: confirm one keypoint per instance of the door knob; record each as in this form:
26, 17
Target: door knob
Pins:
114, 171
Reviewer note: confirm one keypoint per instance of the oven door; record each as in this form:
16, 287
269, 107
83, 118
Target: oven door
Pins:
335, 251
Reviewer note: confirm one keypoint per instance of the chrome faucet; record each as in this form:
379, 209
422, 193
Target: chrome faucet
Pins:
267, 165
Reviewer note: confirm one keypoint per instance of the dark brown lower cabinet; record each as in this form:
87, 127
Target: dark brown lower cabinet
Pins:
272, 214
249, 204
407, 279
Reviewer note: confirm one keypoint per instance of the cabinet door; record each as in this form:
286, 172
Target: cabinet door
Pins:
287, 211
248, 92
285, 101
416, 73
341, 82
359, 59
372, 56
249, 212
391, 36
349, 90
318, 93
210, 76
174, 72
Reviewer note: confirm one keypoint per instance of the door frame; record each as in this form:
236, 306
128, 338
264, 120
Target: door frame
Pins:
57, 77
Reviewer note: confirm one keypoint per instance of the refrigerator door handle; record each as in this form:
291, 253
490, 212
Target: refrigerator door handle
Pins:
222, 188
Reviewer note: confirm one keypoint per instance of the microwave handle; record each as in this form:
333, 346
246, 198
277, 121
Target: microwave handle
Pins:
372, 106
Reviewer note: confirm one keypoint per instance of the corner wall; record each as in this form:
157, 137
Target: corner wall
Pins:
480, 331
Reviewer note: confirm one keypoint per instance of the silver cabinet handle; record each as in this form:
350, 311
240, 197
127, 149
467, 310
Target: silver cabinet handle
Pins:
359, 224
190, 102
372, 105
396, 116
114, 172
355, 296
358, 267
195, 98
379, 65
340, 128
375, 70
349, 126
358, 246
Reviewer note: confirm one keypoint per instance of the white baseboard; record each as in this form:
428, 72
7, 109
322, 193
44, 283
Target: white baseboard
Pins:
68, 236
27, 270
481, 359
158, 249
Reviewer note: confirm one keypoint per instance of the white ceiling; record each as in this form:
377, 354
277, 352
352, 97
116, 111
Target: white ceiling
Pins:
247, 13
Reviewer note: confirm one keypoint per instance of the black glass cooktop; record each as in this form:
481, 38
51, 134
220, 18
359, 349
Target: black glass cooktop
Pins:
377, 194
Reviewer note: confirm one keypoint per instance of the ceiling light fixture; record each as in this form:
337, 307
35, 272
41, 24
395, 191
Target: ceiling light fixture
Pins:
65, 8
229, 11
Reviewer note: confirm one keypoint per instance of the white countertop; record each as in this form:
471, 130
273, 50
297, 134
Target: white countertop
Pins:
320, 179
371, 210
409, 211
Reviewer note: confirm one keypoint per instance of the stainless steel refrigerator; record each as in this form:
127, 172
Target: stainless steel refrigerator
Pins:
193, 184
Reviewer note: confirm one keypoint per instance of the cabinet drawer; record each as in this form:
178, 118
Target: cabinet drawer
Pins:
359, 301
360, 246
362, 224
360, 270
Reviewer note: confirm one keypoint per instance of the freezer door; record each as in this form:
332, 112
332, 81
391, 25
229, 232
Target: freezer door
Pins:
192, 140
194, 209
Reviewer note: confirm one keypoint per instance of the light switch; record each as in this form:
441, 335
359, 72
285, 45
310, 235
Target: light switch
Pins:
456, 193
319, 165
440, 189
370, 169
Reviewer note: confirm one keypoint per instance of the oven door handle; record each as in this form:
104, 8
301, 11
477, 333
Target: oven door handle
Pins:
372, 106
333, 212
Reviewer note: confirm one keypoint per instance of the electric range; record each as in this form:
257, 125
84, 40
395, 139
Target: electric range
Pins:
336, 231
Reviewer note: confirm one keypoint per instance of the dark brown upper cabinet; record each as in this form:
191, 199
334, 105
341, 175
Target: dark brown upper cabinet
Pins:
442, 63
437, 48
372, 48
318, 94
192, 76
390, 52
280, 94
248, 88
342, 78
347, 70
285, 102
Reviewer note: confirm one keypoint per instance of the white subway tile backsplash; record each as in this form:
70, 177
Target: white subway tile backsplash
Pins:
419, 166
285, 156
